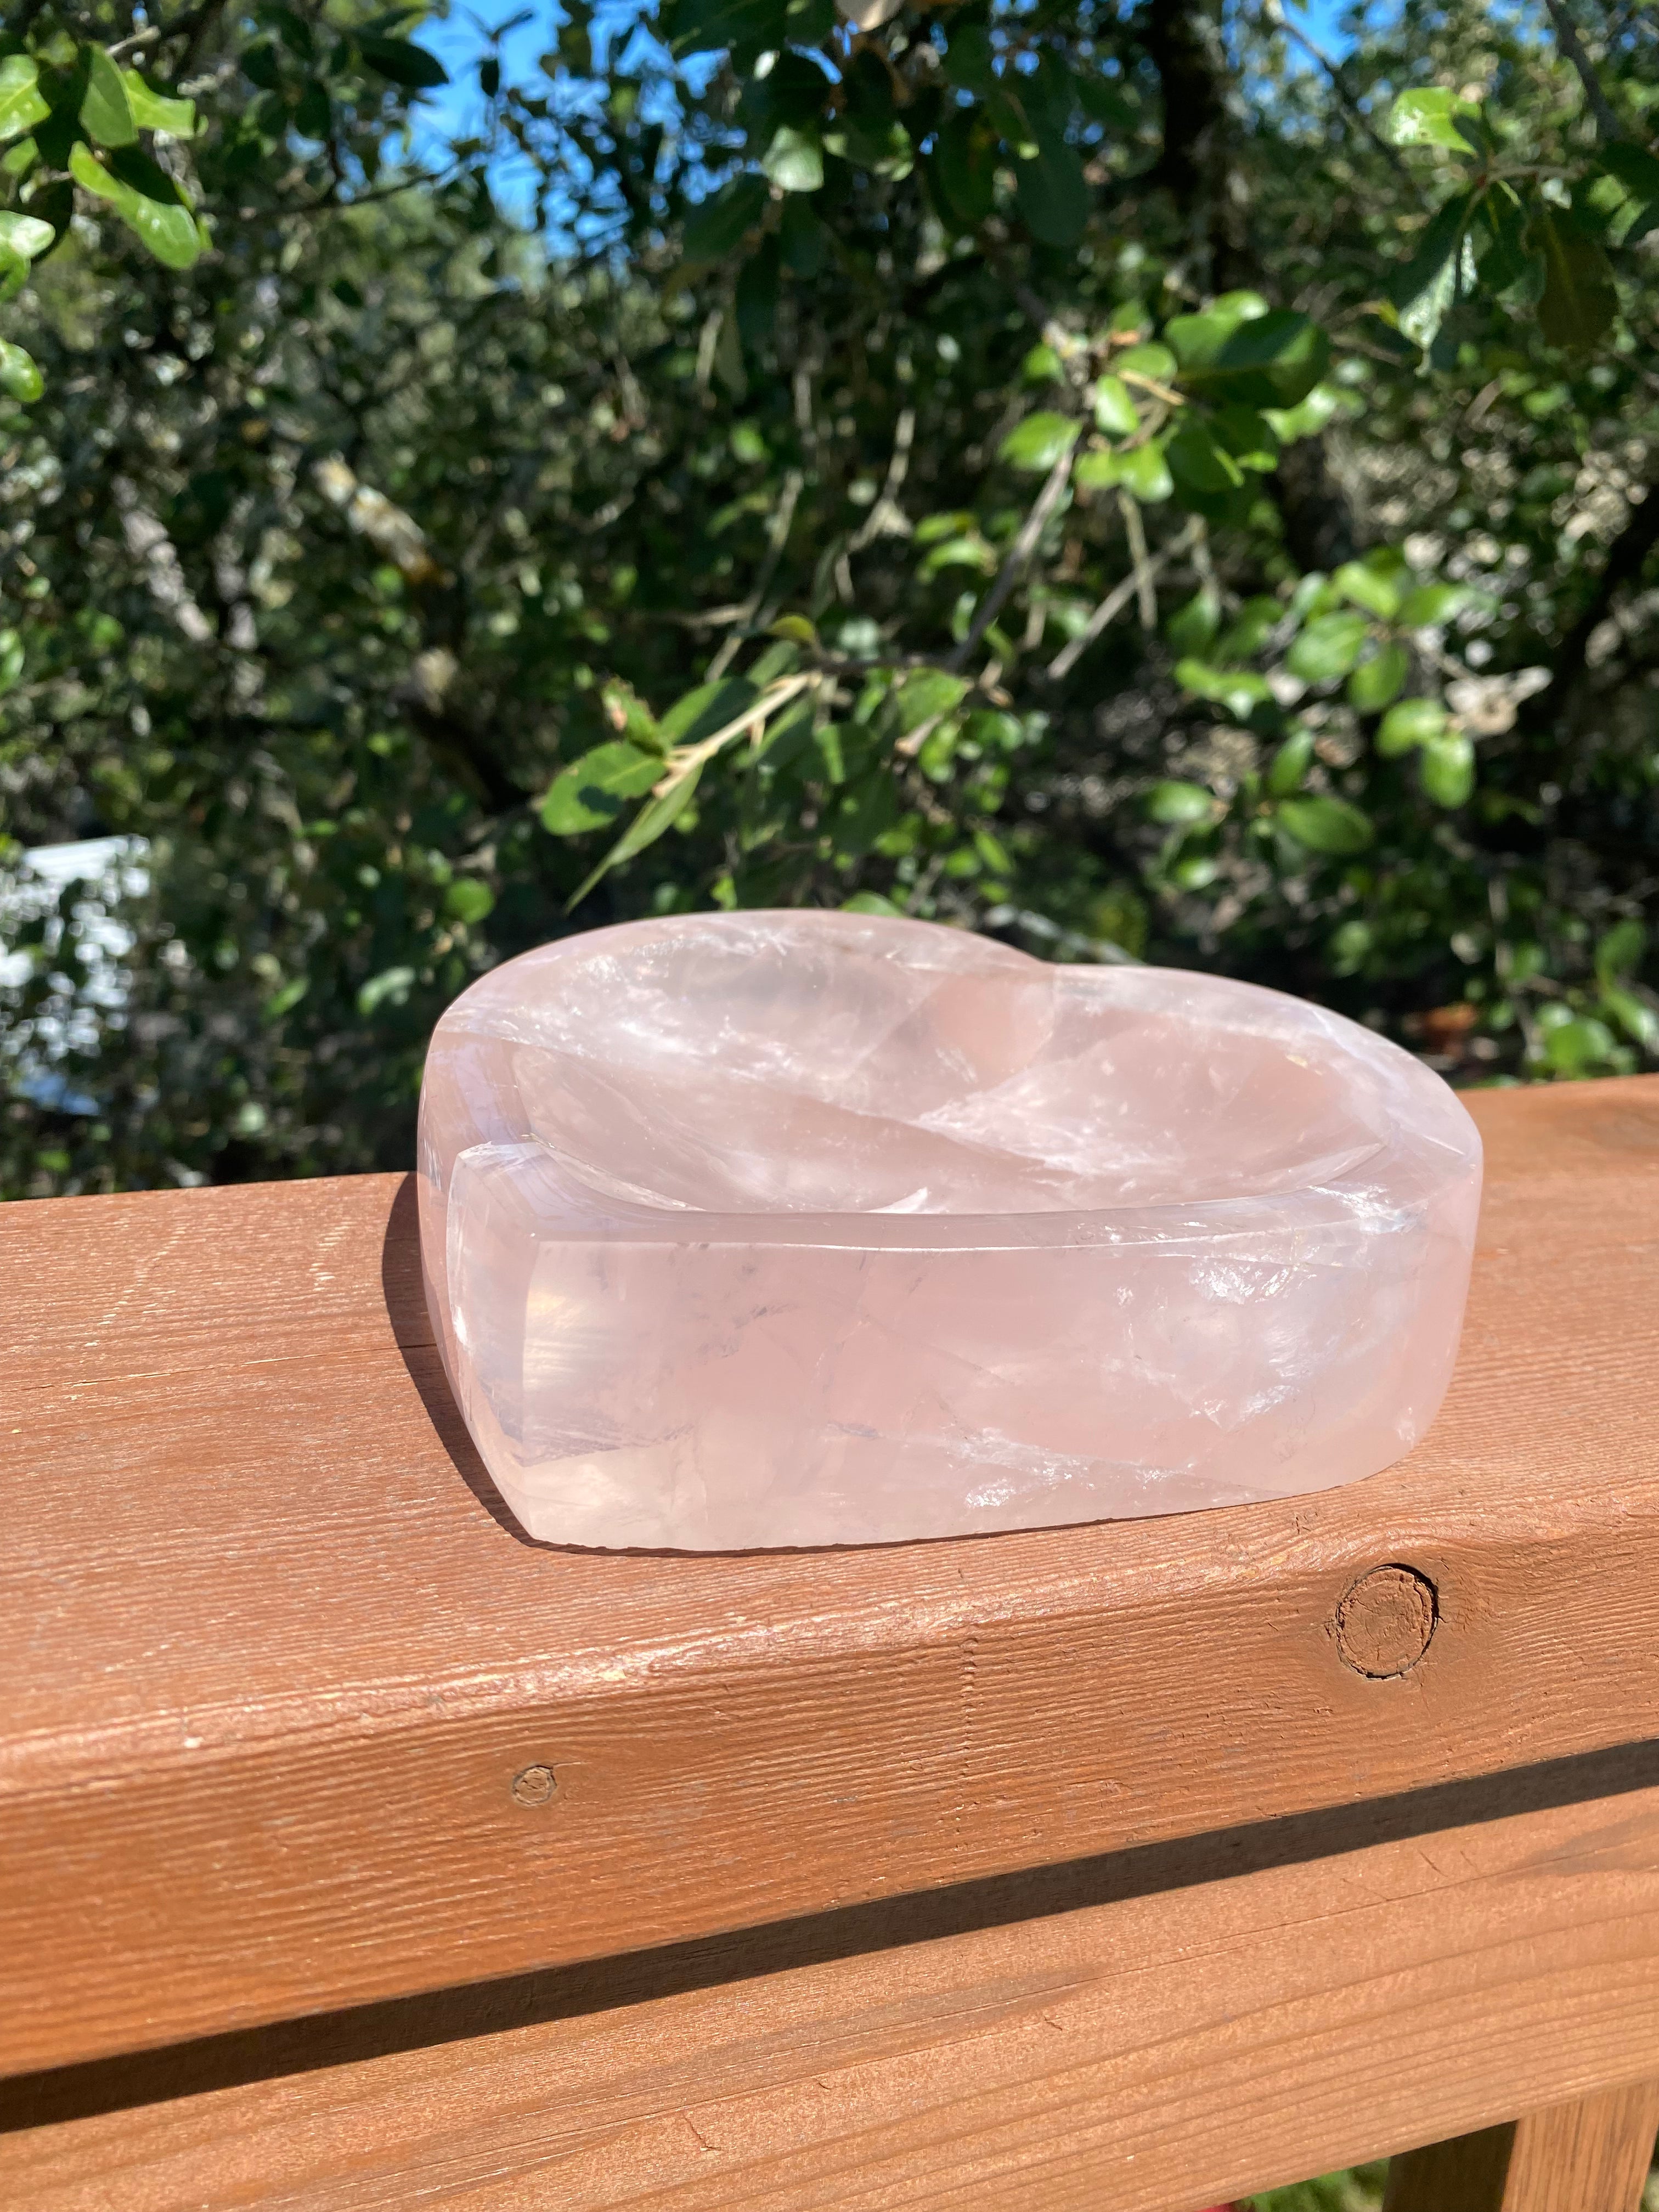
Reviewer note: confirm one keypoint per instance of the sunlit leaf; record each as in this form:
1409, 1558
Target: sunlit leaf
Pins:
1115, 413
106, 110
1430, 117
1412, 723
21, 105
1038, 442
1328, 648
19, 377
593, 791
1446, 769
794, 161
1173, 802
1325, 824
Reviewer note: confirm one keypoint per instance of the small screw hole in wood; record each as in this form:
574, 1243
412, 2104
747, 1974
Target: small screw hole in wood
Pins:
534, 1785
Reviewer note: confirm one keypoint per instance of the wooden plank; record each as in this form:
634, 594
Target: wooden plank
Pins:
1166, 2031
1590, 2154
271, 1662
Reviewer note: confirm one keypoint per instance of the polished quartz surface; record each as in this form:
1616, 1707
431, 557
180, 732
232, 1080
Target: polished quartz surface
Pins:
817, 1227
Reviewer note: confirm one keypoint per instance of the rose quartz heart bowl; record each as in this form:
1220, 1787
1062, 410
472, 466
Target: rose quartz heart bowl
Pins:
815, 1228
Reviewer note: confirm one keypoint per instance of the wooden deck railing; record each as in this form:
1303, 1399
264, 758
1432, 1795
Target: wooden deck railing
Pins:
356, 1851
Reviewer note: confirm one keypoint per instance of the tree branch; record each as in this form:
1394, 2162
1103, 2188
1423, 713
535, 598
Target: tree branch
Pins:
1018, 555
1607, 124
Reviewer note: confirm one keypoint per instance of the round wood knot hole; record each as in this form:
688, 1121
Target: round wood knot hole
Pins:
533, 1785
1386, 1620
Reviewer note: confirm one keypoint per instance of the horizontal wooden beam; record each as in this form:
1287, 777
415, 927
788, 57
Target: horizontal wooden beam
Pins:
1152, 2038
293, 1719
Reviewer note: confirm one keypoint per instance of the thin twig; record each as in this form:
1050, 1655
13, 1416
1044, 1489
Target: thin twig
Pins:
1129, 508
1607, 124
782, 515
1017, 554
1113, 605
756, 713
887, 518
1333, 70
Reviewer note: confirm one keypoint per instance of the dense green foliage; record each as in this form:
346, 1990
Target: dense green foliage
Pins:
1096, 472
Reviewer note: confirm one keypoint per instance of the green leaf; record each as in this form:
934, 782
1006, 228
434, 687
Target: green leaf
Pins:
168, 230
1370, 587
106, 111
1307, 418
284, 1000
21, 105
24, 235
1191, 628
700, 712
1051, 193
1620, 952
19, 377
1288, 768
719, 225
924, 697
962, 171
1424, 289
1243, 432
1578, 1046
11, 658
403, 62
1413, 722
1114, 411
592, 792
1509, 262
1325, 824
392, 984
1144, 471
1431, 604
1180, 803
1271, 360
1634, 1016
1199, 463
656, 816
1098, 470
1327, 648
154, 111
1038, 442
1197, 340
1635, 168
1248, 631
1430, 117
1240, 690
794, 160
467, 899
1447, 770
1156, 362
700, 25
1379, 679
1579, 300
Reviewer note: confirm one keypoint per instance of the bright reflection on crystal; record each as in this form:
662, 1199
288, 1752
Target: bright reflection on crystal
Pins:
806, 1228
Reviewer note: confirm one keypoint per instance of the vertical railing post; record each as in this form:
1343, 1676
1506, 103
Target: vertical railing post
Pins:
1591, 2155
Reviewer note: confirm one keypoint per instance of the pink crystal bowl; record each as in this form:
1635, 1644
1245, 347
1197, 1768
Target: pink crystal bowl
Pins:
812, 1228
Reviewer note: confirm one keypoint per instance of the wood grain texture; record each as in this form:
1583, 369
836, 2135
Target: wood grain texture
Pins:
270, 1657
1590, 2154
1199, 2035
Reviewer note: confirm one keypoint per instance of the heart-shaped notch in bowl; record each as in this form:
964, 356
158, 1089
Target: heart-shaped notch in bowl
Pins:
809, 1228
